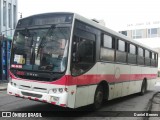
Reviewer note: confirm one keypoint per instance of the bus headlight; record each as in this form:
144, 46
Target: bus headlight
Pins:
60, 90
54, 90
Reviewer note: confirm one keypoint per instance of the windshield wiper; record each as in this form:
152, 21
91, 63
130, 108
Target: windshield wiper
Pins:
44, 38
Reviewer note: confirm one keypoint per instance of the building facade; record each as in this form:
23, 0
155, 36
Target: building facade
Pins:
147, 33
8, 17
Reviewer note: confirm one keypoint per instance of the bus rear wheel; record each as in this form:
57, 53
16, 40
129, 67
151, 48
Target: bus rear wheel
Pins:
98, 98
144, 87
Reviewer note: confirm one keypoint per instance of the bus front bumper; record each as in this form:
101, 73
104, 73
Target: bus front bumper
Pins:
56, 99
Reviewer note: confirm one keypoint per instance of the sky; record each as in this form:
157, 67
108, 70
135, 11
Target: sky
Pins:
116, 13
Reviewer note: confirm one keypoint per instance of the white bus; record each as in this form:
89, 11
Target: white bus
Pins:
70, 61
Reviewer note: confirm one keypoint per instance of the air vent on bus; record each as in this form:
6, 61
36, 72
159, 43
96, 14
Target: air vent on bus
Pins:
37, 89
32, 94
24, 87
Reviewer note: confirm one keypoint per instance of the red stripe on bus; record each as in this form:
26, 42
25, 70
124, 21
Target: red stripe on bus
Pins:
93, 79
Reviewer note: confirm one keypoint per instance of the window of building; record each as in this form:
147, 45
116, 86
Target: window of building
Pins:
138, 33
9, 16
153, 32
4, 13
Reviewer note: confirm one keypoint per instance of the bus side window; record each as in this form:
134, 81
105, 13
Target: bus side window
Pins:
140, 56
153, 60
132, 57
121, 53
83, 53
156, 60
107, 48
147, 58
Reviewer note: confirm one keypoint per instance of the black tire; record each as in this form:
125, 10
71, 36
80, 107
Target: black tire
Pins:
98, 98
143, 88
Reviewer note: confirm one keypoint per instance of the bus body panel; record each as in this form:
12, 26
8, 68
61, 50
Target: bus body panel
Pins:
72, 91
56, 99
125, 90
85, 95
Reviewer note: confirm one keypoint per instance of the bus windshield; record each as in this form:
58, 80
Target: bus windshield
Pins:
41, 49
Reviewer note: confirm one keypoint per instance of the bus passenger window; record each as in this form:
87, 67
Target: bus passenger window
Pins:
107, 48
140, 56
147, 58
121, 45
121, 53
132, 57
153, 60
107, 41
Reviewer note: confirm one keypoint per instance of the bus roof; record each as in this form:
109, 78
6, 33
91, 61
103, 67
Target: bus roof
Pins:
101, 27
49, 13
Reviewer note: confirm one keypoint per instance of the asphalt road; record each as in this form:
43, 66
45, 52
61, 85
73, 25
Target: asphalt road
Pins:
133, 102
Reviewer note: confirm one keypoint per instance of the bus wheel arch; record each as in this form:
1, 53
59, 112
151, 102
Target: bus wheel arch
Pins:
143, 86
101, 94
105, 86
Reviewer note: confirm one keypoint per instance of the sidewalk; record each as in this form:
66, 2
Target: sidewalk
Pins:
3, 85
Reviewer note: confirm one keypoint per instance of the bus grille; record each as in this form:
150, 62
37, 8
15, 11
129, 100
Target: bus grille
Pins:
32, 94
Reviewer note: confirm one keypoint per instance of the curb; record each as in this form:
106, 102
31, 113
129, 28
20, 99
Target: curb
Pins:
3, 89
3, 86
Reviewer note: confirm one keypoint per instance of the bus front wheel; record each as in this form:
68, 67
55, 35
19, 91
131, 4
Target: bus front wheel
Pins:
98, 98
